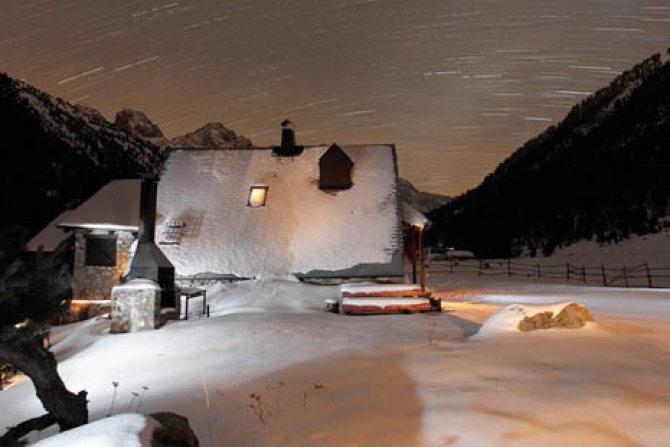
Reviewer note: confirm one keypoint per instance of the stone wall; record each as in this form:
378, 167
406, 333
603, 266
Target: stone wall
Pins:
136, 306
96, 282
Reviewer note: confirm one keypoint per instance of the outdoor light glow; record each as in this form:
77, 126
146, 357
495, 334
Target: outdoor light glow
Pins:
257, 196
22, 324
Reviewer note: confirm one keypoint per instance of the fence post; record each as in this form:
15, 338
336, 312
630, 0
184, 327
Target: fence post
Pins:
539, 272
650, 284
509, 268
604, 275
625, 277
567, 272
584, 274
451, 266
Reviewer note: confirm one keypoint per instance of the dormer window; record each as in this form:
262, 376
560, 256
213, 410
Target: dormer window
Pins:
257, 196
335, 169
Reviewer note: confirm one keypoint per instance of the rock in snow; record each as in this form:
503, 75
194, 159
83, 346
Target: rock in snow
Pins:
573, 316
517, 318
128, 430
173, 430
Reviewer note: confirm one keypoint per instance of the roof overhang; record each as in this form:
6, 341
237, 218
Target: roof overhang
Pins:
97, 226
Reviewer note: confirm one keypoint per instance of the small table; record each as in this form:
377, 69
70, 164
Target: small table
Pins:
191, 292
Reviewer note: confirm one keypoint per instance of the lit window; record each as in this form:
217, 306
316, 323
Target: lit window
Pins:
257, 195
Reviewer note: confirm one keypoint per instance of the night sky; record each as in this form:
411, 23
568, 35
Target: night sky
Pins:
456, 85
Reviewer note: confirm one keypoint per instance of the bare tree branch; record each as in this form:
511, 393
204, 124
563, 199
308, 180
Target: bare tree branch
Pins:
14, 434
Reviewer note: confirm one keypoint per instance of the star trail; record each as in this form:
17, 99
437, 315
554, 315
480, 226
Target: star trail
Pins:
456, 85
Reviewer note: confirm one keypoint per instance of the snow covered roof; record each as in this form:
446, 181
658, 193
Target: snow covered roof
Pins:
115, 206
303, 230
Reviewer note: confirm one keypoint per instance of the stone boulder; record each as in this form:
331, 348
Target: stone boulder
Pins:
572, 316
174, 431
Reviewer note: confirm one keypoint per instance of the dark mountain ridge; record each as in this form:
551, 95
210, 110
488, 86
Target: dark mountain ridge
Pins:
212, 135
55, 155
602, 172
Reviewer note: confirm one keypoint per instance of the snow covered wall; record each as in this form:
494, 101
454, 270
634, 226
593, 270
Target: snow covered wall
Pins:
301, 229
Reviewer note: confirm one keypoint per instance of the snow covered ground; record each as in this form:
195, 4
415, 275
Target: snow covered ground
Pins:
271, 368
638, 249
638, 261
129, 430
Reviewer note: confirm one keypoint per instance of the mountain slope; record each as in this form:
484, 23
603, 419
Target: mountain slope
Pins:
422, 201
602, 172
55, 155
211, 135
138, 124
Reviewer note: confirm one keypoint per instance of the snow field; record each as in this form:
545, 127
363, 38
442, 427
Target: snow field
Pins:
271, 368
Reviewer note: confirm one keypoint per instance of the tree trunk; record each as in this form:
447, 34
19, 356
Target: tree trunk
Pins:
69, 410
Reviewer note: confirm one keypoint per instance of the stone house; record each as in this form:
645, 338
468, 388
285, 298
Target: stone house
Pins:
100, 234
100, 258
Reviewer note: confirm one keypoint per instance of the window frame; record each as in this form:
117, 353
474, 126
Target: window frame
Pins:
264, 188
93, 259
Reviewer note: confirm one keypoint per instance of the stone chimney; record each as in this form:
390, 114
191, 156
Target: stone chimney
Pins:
288, 147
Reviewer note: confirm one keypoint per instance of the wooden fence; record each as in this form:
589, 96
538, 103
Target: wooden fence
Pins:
641, 275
